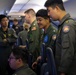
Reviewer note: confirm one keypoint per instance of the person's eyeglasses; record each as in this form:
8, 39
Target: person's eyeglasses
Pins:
11, 58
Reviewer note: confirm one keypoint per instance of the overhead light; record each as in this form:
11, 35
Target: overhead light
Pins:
24, 1
64, 0
21, 1
19, 16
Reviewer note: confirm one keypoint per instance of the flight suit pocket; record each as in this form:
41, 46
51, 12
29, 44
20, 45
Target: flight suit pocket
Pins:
65, 41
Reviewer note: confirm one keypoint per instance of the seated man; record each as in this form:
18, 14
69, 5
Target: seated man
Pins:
18, 61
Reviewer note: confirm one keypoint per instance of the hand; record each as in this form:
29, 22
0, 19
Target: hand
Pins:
36, 62
34, 65
4, 40
62, 73
22, 46
39, 58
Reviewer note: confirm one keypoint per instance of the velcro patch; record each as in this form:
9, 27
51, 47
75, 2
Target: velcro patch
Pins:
54, 37
66, 29
34, 28
16, 27
9, 34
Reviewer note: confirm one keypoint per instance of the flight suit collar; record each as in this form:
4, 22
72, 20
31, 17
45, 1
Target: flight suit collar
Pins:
48, 29
64, 19
4, 31
23, 67
33, 23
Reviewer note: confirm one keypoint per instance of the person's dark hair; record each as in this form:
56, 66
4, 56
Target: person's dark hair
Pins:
54, 3
19, 52
15, 20
42, 13
2, 16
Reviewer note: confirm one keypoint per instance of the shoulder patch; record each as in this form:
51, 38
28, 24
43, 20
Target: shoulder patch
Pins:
54, 30
34, 24
34, 28
16, 27
46, 39
9, 34
67, 21
54, 37
4, 35
66, 29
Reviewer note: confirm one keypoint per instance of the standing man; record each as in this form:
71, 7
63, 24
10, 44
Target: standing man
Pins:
33, 34
16, 26
66, 38
22, 36
49, 35
7, 40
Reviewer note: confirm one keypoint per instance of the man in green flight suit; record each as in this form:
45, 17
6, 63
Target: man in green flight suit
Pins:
49, 35
7, 40
33, 34
65, 55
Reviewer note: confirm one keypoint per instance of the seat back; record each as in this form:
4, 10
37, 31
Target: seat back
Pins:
43, 53
50, 61
44, 69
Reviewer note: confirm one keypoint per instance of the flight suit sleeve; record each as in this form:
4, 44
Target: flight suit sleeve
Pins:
1, 41
13, 37
52, 41
33, 40
19, 41
67, 51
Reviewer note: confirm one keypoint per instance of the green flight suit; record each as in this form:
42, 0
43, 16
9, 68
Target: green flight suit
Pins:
5, 48
49, 37
33, 39
24, 70
22, 36
66, 46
